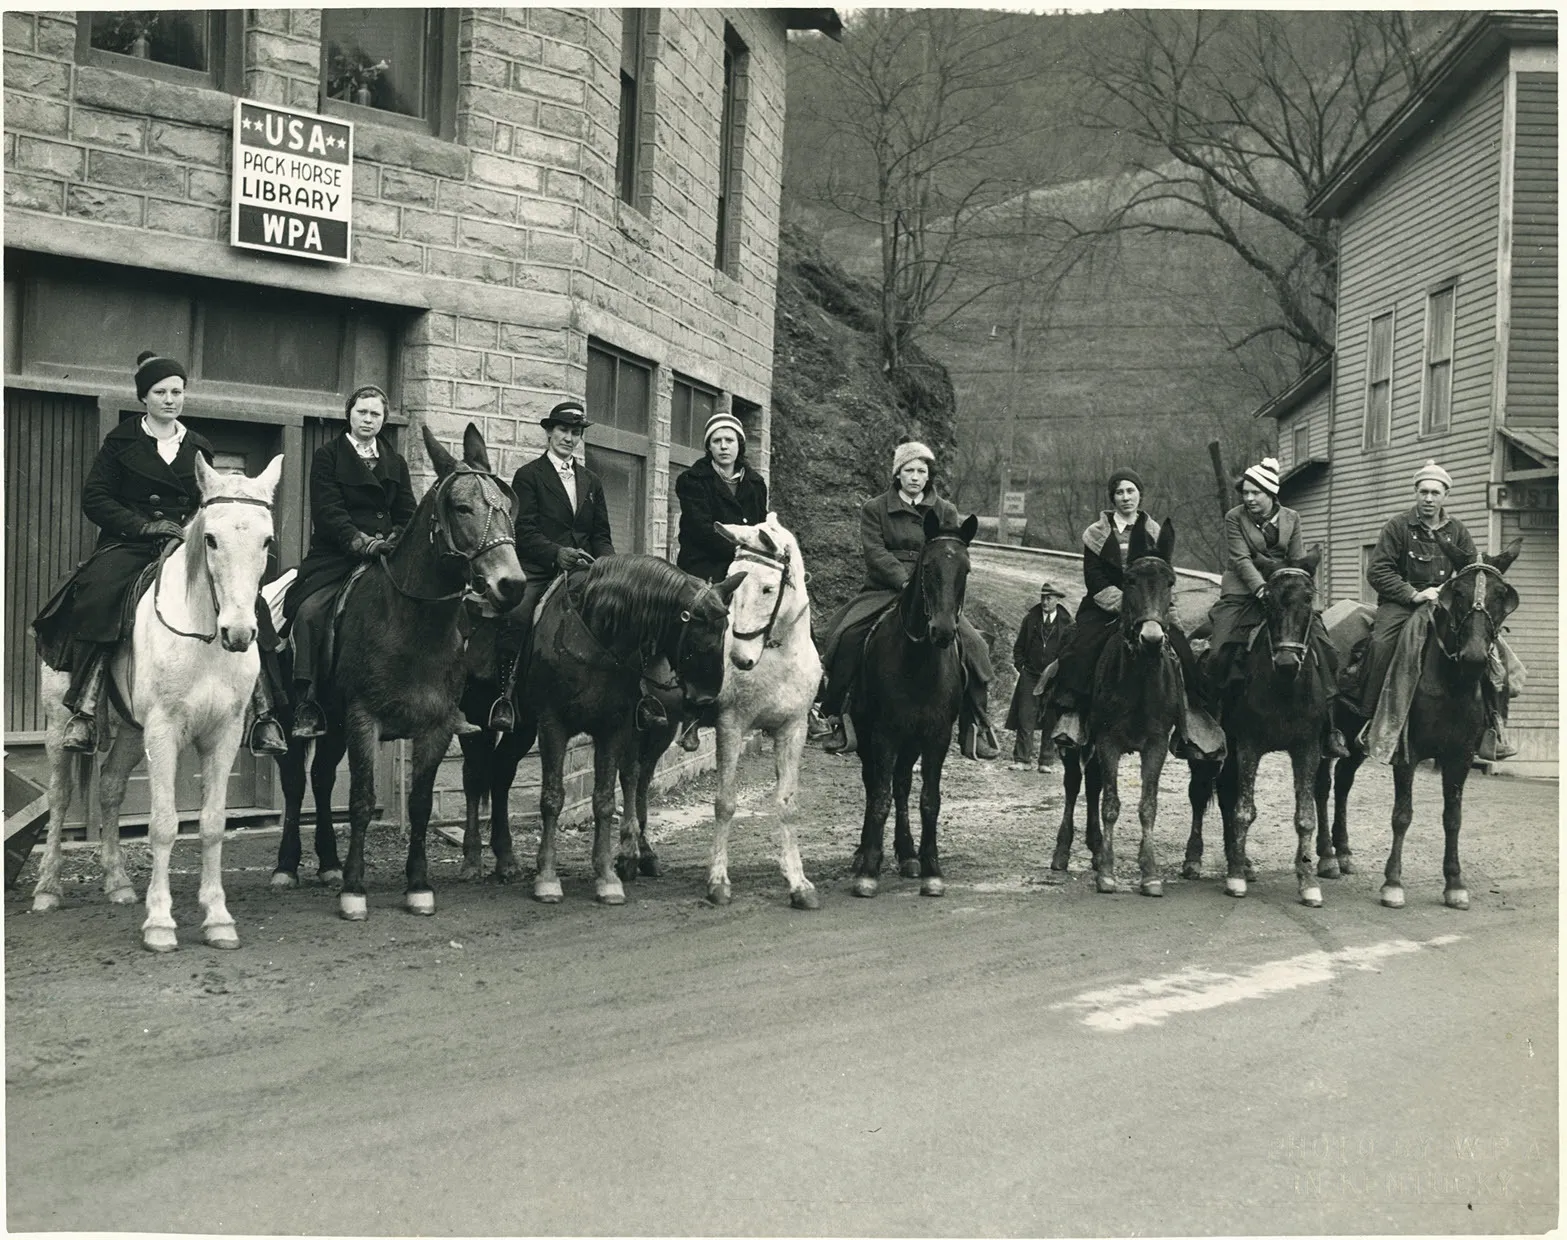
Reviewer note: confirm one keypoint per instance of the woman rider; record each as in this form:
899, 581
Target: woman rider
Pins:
892, 532
140, 491
360, 500
720, 487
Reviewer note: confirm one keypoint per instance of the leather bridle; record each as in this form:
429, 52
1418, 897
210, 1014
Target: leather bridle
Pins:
212, 585
441, 537
1482, 571
926, 607
755, 555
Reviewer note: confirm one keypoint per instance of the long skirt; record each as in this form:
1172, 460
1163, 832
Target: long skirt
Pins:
844, 647
89, 605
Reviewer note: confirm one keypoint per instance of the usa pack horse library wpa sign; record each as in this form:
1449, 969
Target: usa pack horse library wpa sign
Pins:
293, 182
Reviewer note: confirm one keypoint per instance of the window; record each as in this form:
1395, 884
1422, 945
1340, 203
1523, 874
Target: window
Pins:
1367, 594
1436, 402
731, 148
619, 399
1379, 383
1302, 444
398, 64
619, 388
624, 475
691, 406
636, 100
196, 46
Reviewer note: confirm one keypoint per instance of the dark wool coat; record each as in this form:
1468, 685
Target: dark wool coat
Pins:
1099, 612
128, 485
546, 522
705, 499
350, 500
1038, 645
1248, 562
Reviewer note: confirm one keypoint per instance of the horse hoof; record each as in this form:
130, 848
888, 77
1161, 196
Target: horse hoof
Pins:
1311, 897
1105, 884
1392, 897
909, 867
1346, 867
649, 867
1251, 872
1235, 887
46, 902
331, 878
805, 898
933, 887
719, 894
282, 879
507, 871
1152, 887
225, 938
1058, 863
1456, 898
864, 887
1328, 868
159, 939
547, 891
353, 907
420, 902
609, 893
468, 872
625, 868
1191, 870
123, 895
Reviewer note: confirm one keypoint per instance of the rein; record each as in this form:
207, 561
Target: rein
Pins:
924, 599
451, 550
1299, 648
781, 563
1480, 569
157, 584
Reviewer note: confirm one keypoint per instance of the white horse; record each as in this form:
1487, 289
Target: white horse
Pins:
185, 677
772, 679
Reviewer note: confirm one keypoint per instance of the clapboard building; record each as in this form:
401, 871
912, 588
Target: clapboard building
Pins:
543, 202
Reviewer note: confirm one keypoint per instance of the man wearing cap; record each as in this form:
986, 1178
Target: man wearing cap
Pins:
1415, 555
1040, 640
562, 524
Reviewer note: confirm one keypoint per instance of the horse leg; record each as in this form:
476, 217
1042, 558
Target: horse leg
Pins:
217, 759
876, 775
1147, 814
1403, 811
1243, 797
291, 776
629, 853
157, 931
1200, 786
647, 860
112, 779
478, 753
1071, 785
1344, 780
788, 746
552, 797
1229, 791
428, 750
931, 761
1093, 787
1327, 863
364, 732
1455, 773
902, 831
323, 777
1109, 759
1305, 759
610, 755
507, 755
729, 741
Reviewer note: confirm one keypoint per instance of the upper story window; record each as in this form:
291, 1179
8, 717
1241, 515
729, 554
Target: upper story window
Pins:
1378, 427
636, 100
731, 151
1302, 443
199, 47
1436, 401
398, 65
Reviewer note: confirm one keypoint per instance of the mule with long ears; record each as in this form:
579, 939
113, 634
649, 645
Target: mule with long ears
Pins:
1281, 704
184, 679
399, 671
905, 704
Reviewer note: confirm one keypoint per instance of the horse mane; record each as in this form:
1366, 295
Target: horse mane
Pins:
195, 550
631, 598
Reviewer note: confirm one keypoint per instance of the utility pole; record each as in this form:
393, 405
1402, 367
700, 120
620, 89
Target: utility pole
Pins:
1009, 435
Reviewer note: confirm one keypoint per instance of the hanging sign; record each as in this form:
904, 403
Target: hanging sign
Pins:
293, 182
1524, 496
1013, 503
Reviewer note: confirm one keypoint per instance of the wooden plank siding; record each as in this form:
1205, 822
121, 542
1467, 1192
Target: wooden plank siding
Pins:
1532, 344
1432, 221
1532, 630
1309, 496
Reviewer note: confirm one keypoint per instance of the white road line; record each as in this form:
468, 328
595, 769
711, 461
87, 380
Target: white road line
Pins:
1154, 1000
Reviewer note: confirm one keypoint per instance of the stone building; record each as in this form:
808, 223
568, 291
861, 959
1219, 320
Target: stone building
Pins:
545, 202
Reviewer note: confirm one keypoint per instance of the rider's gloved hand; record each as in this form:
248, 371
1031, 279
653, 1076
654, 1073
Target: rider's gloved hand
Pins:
567, 558
163, 528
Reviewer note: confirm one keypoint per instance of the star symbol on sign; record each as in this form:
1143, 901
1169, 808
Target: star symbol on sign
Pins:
246, 122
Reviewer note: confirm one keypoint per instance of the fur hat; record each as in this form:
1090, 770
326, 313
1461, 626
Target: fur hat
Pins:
1123, 475
1264, 474
152, 370
911, 450
1432, 472
722, 421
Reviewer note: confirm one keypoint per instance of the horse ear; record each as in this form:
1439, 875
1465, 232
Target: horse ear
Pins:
205, 474
767, 540
443, 460
1502, 561
474, 452
1311, 559
727, 587
969, 528
722, 531
1110, 553
1137, 544
932, 524
1164, 548
272, 473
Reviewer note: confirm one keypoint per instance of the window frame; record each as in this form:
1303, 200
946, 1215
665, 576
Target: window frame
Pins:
1378, 435
1429, 429
680, 452
225, 44
731, 152
442, 28
637, 27
1367, 594
610, 438
1300, 442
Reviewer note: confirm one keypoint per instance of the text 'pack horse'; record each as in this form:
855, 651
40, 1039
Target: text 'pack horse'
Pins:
1280, 704
904, 706
184, 678
398, 669
773, 675
1447, 718
610, 645
1134, 705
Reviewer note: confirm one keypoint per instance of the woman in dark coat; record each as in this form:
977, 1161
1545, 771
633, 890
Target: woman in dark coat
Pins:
892, 534
140, 492
361, 497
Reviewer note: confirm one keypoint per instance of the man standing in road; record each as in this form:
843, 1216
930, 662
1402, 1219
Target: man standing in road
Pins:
1039, 641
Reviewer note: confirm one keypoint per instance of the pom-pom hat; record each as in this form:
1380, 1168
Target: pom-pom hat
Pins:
1264, 474
152, 369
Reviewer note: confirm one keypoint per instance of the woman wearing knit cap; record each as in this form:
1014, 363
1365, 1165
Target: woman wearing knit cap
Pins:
140, 492
892, 533
721, 488
1416, 553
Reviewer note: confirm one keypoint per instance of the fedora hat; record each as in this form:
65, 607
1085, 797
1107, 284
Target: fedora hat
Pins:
567, 413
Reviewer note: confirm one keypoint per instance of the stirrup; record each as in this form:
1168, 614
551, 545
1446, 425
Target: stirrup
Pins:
503, 718
843, 739
309, 722
81, 734
266, 738
690, 738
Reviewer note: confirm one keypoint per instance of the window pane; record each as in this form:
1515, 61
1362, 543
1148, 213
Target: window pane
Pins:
1381, 360
168, 36
626, 153
272, 345
1439, 384
1441, 343
1378, 413
622, 476
103, 326
672, 513
632, 385
376, 58
601, 387
1302, 443
680, 417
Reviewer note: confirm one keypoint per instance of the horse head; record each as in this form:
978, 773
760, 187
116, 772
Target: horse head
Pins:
228, 541
698, 655
1473, 603
1147, 585
933, 598
473, 517
772, 598
1290, 604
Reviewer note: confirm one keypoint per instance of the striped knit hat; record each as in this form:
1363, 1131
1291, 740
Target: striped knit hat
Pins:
722, 421
1265, 474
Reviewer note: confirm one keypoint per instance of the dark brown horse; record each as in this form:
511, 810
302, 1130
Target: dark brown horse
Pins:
1447, 718
1279, 704
905, 704
399, 671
